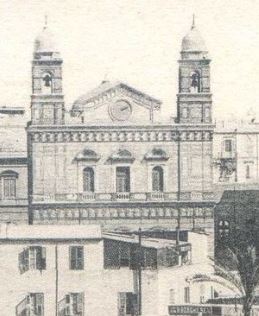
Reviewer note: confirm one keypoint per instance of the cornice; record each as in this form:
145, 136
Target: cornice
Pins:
68, 136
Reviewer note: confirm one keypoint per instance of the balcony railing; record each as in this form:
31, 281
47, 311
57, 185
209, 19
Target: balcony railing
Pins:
92, 197
22, 308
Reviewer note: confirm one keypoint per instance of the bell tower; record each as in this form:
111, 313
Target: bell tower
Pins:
47, 100
194, 100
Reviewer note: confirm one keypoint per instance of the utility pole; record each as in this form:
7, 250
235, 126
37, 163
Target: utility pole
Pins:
56, 268
139, 273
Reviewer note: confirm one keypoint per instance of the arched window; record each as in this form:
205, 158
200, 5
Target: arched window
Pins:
8, 183
88, 180
46, 86
157, 179
223, 228
195, 82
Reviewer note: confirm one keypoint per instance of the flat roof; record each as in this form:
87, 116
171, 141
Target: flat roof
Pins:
149, 242
49, 232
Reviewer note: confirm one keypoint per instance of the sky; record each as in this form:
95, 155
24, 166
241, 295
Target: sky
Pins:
137, 42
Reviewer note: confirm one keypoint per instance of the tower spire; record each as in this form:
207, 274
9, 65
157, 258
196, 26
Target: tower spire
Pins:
193, 21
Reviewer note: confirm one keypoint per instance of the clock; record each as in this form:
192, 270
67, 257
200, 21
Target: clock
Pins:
120, 110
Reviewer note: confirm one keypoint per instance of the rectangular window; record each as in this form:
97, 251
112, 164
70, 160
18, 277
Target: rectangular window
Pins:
228, 145
33, 304
122, 179
187, 294
32, 258
71, 305
127, 304
9, 185
124, 255
76, 257
36, 304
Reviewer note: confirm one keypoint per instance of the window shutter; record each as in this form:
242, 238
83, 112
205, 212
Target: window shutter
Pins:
122, 304
26, 259
39, 303
72, 258
21, 262
38, 257
135, 303
43, 258
111, 254
80, 258
76, 257
67, 299
80, 303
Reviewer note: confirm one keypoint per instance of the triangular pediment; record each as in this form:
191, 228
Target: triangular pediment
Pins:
108, 91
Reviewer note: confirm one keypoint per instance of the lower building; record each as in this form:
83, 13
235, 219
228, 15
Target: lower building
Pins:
79, 271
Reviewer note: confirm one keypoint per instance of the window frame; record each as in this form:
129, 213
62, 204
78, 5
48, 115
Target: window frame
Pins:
127, 184
8, 180
161, 182
76, 264
32, 258
228, 145
91, 184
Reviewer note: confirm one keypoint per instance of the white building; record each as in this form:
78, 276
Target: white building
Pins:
236, 154
78, 271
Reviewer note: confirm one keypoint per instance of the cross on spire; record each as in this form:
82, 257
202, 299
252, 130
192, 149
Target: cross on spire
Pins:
193, 21
46, 21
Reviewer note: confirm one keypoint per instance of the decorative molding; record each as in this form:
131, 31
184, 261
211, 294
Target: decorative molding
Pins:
89, 213
87, 155
156, 154
9, 173
119, 136
122, 155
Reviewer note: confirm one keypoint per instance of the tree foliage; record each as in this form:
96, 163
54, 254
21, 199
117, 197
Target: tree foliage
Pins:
239, 264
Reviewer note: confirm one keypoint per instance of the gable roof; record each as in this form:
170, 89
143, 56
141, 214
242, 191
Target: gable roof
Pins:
105, 91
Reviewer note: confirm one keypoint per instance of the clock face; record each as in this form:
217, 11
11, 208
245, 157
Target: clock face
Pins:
120, 110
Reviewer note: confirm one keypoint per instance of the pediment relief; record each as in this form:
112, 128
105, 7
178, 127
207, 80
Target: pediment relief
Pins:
156, 154
122, 155
87, 155
109, 92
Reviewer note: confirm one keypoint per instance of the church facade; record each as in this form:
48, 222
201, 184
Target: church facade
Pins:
108, 161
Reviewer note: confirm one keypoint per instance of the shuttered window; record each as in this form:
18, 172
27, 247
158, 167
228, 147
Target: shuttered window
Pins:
127, 304
76, 257
71, 305
32, 304
37, 304
32, 258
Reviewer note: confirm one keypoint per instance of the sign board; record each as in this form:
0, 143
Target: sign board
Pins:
189, 309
